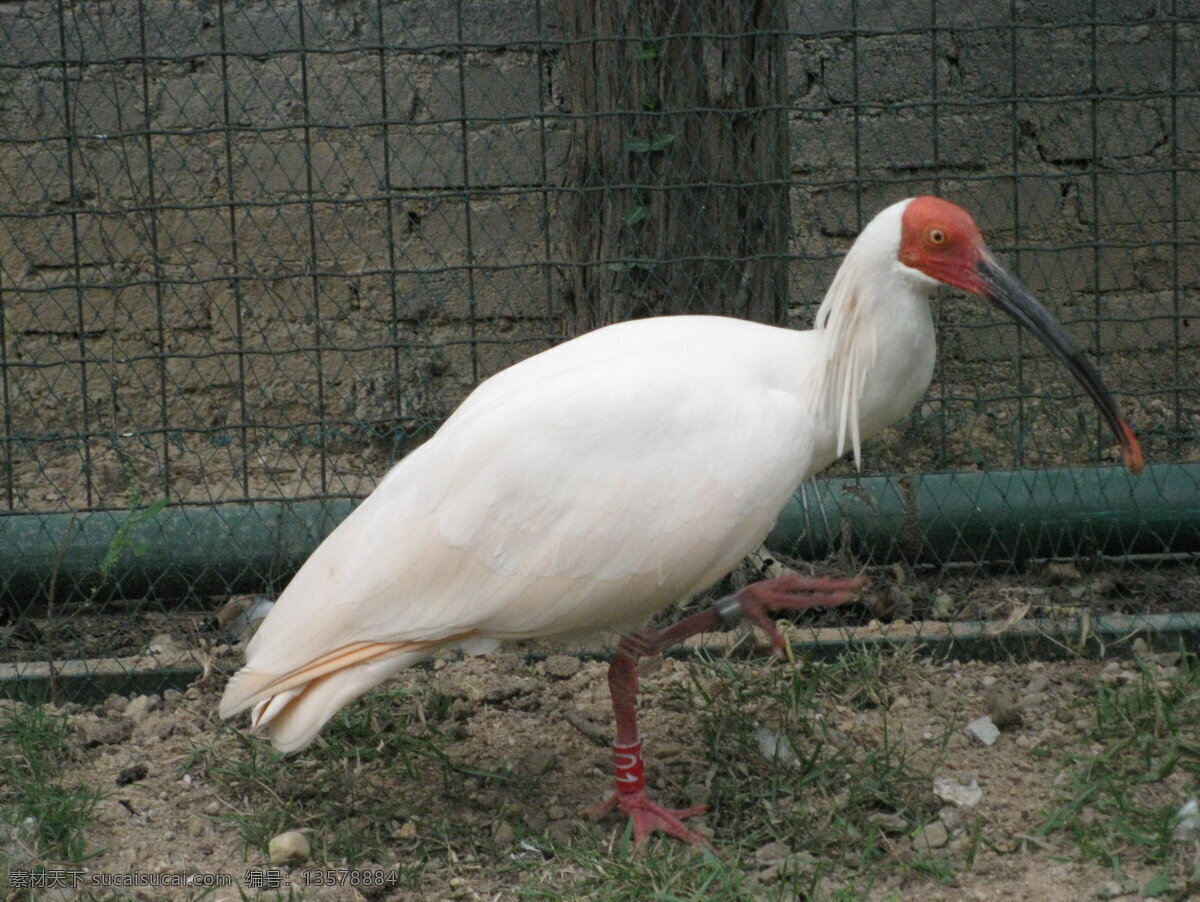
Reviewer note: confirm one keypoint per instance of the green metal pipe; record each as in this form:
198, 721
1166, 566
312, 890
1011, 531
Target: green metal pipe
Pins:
939, 518
1008, 515
175, 553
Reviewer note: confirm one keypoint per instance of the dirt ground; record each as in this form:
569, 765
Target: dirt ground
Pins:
183, 793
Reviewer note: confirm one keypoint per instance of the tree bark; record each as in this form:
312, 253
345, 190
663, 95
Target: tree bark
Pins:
678, 173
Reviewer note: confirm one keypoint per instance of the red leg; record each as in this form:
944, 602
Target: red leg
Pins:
791, 592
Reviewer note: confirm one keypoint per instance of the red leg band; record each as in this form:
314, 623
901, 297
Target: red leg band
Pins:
629, 767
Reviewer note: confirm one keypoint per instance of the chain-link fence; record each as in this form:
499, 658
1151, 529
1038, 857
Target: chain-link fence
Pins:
251, 253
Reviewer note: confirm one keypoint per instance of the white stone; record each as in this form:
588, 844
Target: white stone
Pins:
961, 794
289, 848
982, 730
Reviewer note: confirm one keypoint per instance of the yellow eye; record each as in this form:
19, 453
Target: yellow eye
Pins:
937, 236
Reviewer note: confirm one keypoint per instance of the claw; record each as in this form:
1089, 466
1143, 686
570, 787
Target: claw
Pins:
795, 593
648, 816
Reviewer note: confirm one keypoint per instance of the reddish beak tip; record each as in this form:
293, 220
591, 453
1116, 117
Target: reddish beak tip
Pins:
1131, 450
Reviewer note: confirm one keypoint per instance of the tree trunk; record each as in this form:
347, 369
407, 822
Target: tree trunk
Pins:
678, 173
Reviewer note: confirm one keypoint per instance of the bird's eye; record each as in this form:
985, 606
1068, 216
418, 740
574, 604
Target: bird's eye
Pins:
937, 236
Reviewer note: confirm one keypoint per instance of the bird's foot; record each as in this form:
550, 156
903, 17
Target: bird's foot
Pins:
793, 592
648, 816
631, 798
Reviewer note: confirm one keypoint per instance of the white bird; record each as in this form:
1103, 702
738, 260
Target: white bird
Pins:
598, 482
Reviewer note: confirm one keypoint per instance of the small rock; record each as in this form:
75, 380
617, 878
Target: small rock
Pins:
407, 831
1058, 572
775, 746
157, 724
964, 795
889, 822
982, 730
942, 607
1033, 701
288, 848
1002, 708
932, 836
199, 826
562, 667
668, 748
771, 853
952, 818
502, 688
139, 707
111, 730
1187, 821
510, 664
163, 645
539, 761
132, 774
504, 834
565, 831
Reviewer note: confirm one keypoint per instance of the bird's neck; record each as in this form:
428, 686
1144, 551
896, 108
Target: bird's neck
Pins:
878, 349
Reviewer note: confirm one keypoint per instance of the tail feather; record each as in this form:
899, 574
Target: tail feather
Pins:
293, 717
249, 686
293, 706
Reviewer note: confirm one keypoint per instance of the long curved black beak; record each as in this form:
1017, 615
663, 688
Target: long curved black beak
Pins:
1005, 291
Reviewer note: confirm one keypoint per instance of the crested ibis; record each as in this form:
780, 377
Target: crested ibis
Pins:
593, 484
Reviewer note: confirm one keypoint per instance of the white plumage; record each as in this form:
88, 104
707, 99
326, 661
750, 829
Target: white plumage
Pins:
593, 484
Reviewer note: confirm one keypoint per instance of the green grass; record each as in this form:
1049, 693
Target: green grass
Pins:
345, 788
44, 816
824, 802
818, 805
1119, 796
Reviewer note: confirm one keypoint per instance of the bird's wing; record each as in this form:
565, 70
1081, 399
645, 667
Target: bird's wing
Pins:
586, 497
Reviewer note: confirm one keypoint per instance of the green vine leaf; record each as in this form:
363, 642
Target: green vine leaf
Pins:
636, 215
649, 145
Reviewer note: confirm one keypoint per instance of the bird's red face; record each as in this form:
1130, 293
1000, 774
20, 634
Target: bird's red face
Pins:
942, 241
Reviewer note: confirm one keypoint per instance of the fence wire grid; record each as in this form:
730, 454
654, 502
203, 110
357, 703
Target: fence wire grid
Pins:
252, 253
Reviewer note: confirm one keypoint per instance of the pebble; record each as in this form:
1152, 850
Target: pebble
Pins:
1039, 682
562, 667
139, 707
163, 644
1187, 821
504, 834
290, 847
964, 795
932, 836
771, 853
668, 748
943, 606
407, 831
1058, 572
775, 746
1003, 708
111, 730
982, 730
888, 822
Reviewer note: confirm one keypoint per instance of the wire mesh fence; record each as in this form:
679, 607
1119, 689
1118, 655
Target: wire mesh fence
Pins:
251, 253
